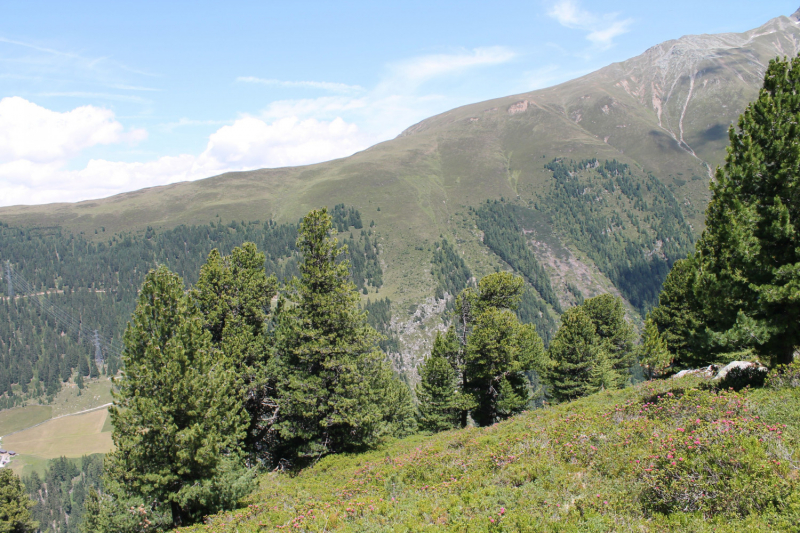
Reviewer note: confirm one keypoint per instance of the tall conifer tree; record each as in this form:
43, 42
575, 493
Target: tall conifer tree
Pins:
654, 354
15, 505
178, 422
680, 318
749, 253
615, 333
332, 376
495, 349
437, 392
233, 295
575, 352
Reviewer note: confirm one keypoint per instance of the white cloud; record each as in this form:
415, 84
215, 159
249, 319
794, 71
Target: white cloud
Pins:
600, 29
28, 176
324, 85
251, 143
23, 182
31, 132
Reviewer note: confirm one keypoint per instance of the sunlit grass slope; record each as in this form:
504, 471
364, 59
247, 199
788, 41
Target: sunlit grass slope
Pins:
70, 436
664, 456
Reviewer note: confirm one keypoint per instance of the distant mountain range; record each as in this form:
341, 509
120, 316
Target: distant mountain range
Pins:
660, 120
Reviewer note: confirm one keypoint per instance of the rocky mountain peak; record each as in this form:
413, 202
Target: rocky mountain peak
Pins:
796, 16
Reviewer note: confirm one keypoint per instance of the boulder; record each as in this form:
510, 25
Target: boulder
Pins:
705, 372
739, 364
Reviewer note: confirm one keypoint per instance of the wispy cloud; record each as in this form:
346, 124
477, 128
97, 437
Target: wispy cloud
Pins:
90, 63
101, 96
422, 68
41, 48
323, 85
600, 29
186, 122
123, 87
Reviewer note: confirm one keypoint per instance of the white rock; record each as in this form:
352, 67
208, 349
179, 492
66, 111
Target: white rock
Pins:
738, 364
705, 372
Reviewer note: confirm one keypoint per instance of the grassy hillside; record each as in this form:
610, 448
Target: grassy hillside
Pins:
662, 456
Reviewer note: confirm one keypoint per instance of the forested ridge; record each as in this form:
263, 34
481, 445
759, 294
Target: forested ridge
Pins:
60, 494
503, 235
96, 281
630, 226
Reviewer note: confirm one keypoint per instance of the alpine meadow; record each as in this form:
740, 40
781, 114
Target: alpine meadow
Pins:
575, 309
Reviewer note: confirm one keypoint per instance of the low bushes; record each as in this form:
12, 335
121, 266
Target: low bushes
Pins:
662, 456
784, 376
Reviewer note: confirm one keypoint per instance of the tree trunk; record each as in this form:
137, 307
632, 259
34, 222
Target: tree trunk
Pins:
787, 357
177, 514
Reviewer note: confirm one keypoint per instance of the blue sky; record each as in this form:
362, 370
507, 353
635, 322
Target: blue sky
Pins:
98, 98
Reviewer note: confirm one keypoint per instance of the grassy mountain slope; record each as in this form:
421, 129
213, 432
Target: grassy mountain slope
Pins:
663, 113
614, 461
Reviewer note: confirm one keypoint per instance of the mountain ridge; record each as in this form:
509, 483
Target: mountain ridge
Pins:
662, 116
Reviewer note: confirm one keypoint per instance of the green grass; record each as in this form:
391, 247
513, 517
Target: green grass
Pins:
96, 392
27, 465
38, 439
69, 436
69, 400
18, 418
615, 461
108, 426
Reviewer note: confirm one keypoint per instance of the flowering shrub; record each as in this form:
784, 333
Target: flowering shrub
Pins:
784, 376
661, 456
718, 461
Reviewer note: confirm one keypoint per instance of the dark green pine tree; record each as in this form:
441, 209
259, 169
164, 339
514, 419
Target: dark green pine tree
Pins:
233, 295
654, 354
679, 317
749, 253
94, 372
499, 352
438, 405
496, 350
15, 505
333, 378
579, 363
608, 316
178, 421
83, 366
